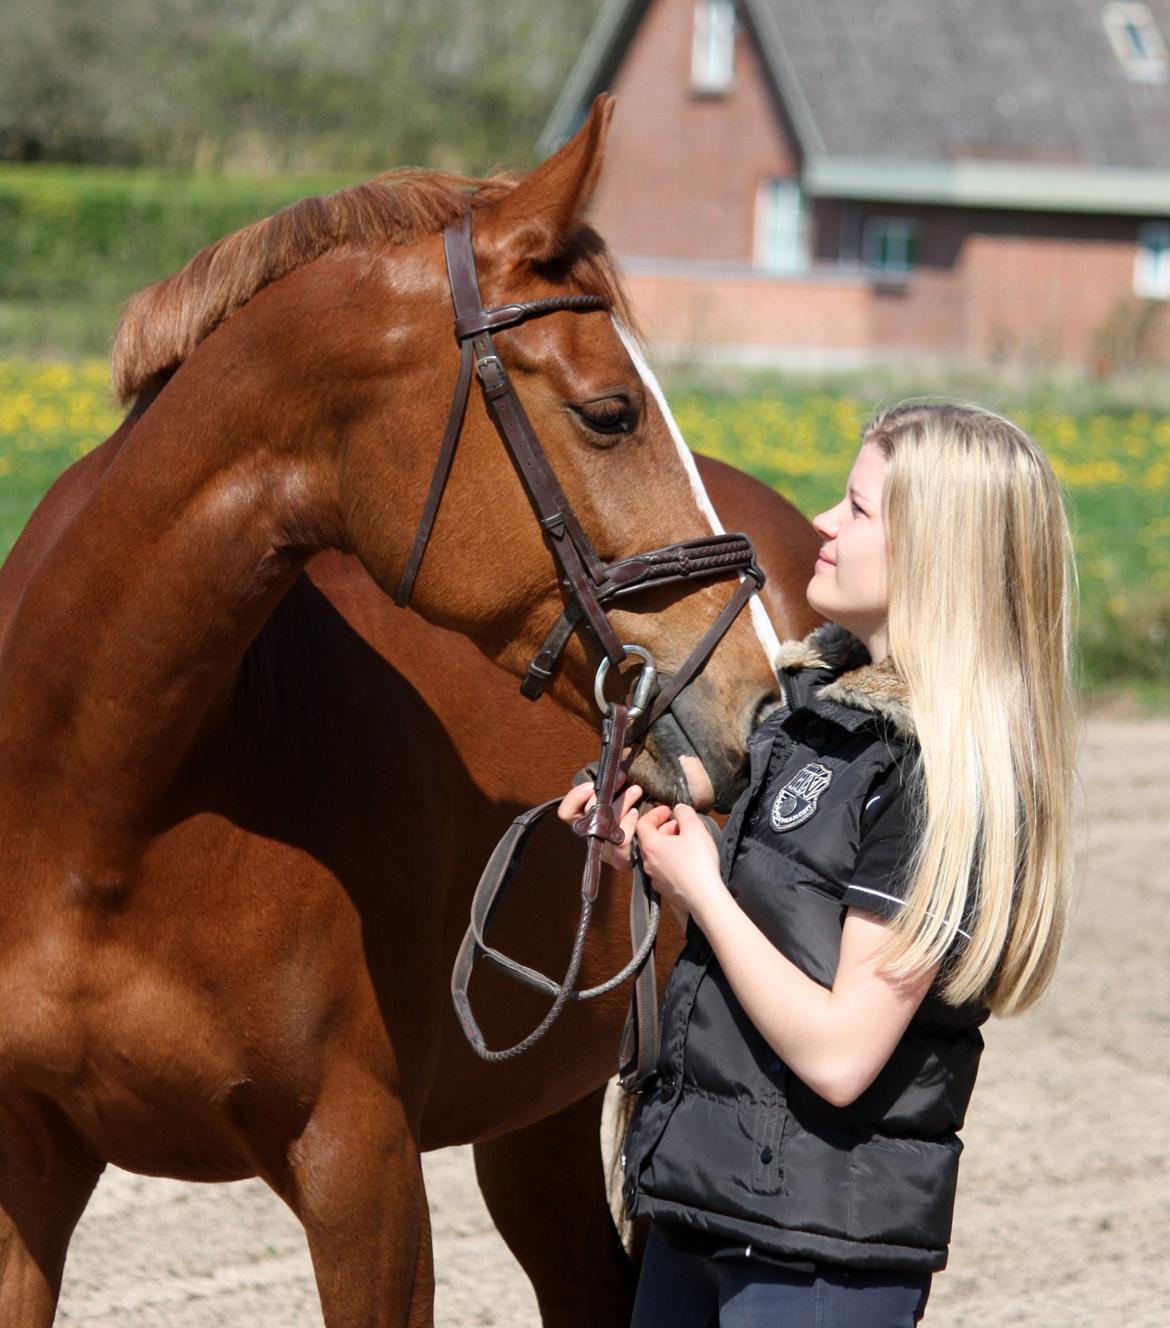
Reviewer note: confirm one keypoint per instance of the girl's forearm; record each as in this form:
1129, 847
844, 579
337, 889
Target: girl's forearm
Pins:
833, 1040
681, 913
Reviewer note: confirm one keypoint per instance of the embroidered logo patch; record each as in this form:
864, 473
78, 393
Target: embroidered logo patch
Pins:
797, 800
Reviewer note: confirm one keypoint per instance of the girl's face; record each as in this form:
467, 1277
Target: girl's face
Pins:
849, 585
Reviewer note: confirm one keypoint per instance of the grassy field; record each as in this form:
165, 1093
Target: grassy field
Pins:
1114, 463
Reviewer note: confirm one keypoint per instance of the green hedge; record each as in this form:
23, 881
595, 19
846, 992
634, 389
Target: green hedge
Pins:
75, 243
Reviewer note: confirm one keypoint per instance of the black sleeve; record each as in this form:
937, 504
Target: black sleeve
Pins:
880, 881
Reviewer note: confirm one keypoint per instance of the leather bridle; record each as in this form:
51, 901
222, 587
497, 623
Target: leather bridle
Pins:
591, 585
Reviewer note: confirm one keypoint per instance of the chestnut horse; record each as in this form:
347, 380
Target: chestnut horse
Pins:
246, 798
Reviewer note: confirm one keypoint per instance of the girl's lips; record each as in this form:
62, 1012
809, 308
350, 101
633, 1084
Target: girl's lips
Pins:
827, 561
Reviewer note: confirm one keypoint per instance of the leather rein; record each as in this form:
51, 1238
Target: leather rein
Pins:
591, 584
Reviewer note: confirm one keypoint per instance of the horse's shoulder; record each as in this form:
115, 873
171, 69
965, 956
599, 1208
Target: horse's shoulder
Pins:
66, 497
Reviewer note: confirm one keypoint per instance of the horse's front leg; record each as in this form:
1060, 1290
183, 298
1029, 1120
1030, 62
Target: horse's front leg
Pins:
546, 1191
357, 1186
46, 1179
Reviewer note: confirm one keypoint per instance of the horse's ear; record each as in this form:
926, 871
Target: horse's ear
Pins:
541, 214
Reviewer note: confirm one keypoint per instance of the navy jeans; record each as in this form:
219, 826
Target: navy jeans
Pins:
677, 1289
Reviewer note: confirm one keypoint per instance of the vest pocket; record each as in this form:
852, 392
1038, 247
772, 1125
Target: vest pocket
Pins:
902, 1191
762, 1120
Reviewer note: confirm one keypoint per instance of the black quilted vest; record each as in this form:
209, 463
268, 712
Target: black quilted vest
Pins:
731, 1144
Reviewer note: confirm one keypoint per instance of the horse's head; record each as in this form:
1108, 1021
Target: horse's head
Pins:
612, 443
317, 346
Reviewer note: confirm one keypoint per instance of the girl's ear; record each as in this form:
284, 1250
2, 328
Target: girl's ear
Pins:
537, 220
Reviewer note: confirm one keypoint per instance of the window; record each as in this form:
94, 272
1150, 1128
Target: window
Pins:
891, 244
1151, 269
781, 227
1137, 42
713, 51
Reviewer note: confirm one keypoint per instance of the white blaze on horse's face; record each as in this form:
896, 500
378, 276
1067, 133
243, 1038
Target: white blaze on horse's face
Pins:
765, 632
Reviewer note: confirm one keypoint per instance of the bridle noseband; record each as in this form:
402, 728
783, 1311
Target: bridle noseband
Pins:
591, 585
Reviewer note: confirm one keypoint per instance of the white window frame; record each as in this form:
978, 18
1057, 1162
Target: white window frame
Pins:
713, 46
903, 229
781, 232
1151, 266
1122, 19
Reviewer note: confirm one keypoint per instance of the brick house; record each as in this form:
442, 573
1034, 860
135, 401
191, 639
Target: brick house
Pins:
834, 181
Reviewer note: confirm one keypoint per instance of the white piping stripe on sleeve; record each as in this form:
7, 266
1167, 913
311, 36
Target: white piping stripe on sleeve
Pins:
866, 890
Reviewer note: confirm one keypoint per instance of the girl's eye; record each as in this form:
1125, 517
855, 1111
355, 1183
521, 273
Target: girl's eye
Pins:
857, 510
613, 415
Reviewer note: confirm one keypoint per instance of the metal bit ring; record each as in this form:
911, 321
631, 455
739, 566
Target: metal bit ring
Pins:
643, 688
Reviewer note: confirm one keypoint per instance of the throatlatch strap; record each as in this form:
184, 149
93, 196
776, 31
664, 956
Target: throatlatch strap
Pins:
540, 667
439, 478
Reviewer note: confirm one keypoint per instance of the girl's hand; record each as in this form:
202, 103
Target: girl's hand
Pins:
680, 856
580, 798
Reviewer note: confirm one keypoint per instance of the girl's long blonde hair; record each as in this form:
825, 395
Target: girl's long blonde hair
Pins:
981, 589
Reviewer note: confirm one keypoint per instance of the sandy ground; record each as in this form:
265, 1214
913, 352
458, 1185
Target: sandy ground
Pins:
1064, 1200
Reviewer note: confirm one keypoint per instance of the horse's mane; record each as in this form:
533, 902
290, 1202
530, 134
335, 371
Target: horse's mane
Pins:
163, 324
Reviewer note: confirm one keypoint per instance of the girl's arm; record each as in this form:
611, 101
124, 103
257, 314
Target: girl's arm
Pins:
836, 1041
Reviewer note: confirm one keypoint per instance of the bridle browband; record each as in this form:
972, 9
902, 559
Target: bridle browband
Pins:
591, 585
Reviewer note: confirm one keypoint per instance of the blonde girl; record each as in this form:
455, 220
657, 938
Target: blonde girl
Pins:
897, 868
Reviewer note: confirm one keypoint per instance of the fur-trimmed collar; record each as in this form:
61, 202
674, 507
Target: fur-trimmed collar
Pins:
857, 681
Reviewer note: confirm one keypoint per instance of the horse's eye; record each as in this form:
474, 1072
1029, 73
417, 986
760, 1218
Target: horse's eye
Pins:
612, 415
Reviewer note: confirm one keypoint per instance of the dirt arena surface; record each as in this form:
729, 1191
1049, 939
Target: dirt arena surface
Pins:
1064, 1198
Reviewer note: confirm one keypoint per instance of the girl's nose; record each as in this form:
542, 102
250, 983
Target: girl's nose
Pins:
825, 524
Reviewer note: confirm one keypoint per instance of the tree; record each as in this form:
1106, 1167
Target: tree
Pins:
261, 85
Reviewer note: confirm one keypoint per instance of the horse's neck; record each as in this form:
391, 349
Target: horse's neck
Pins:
122, 651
